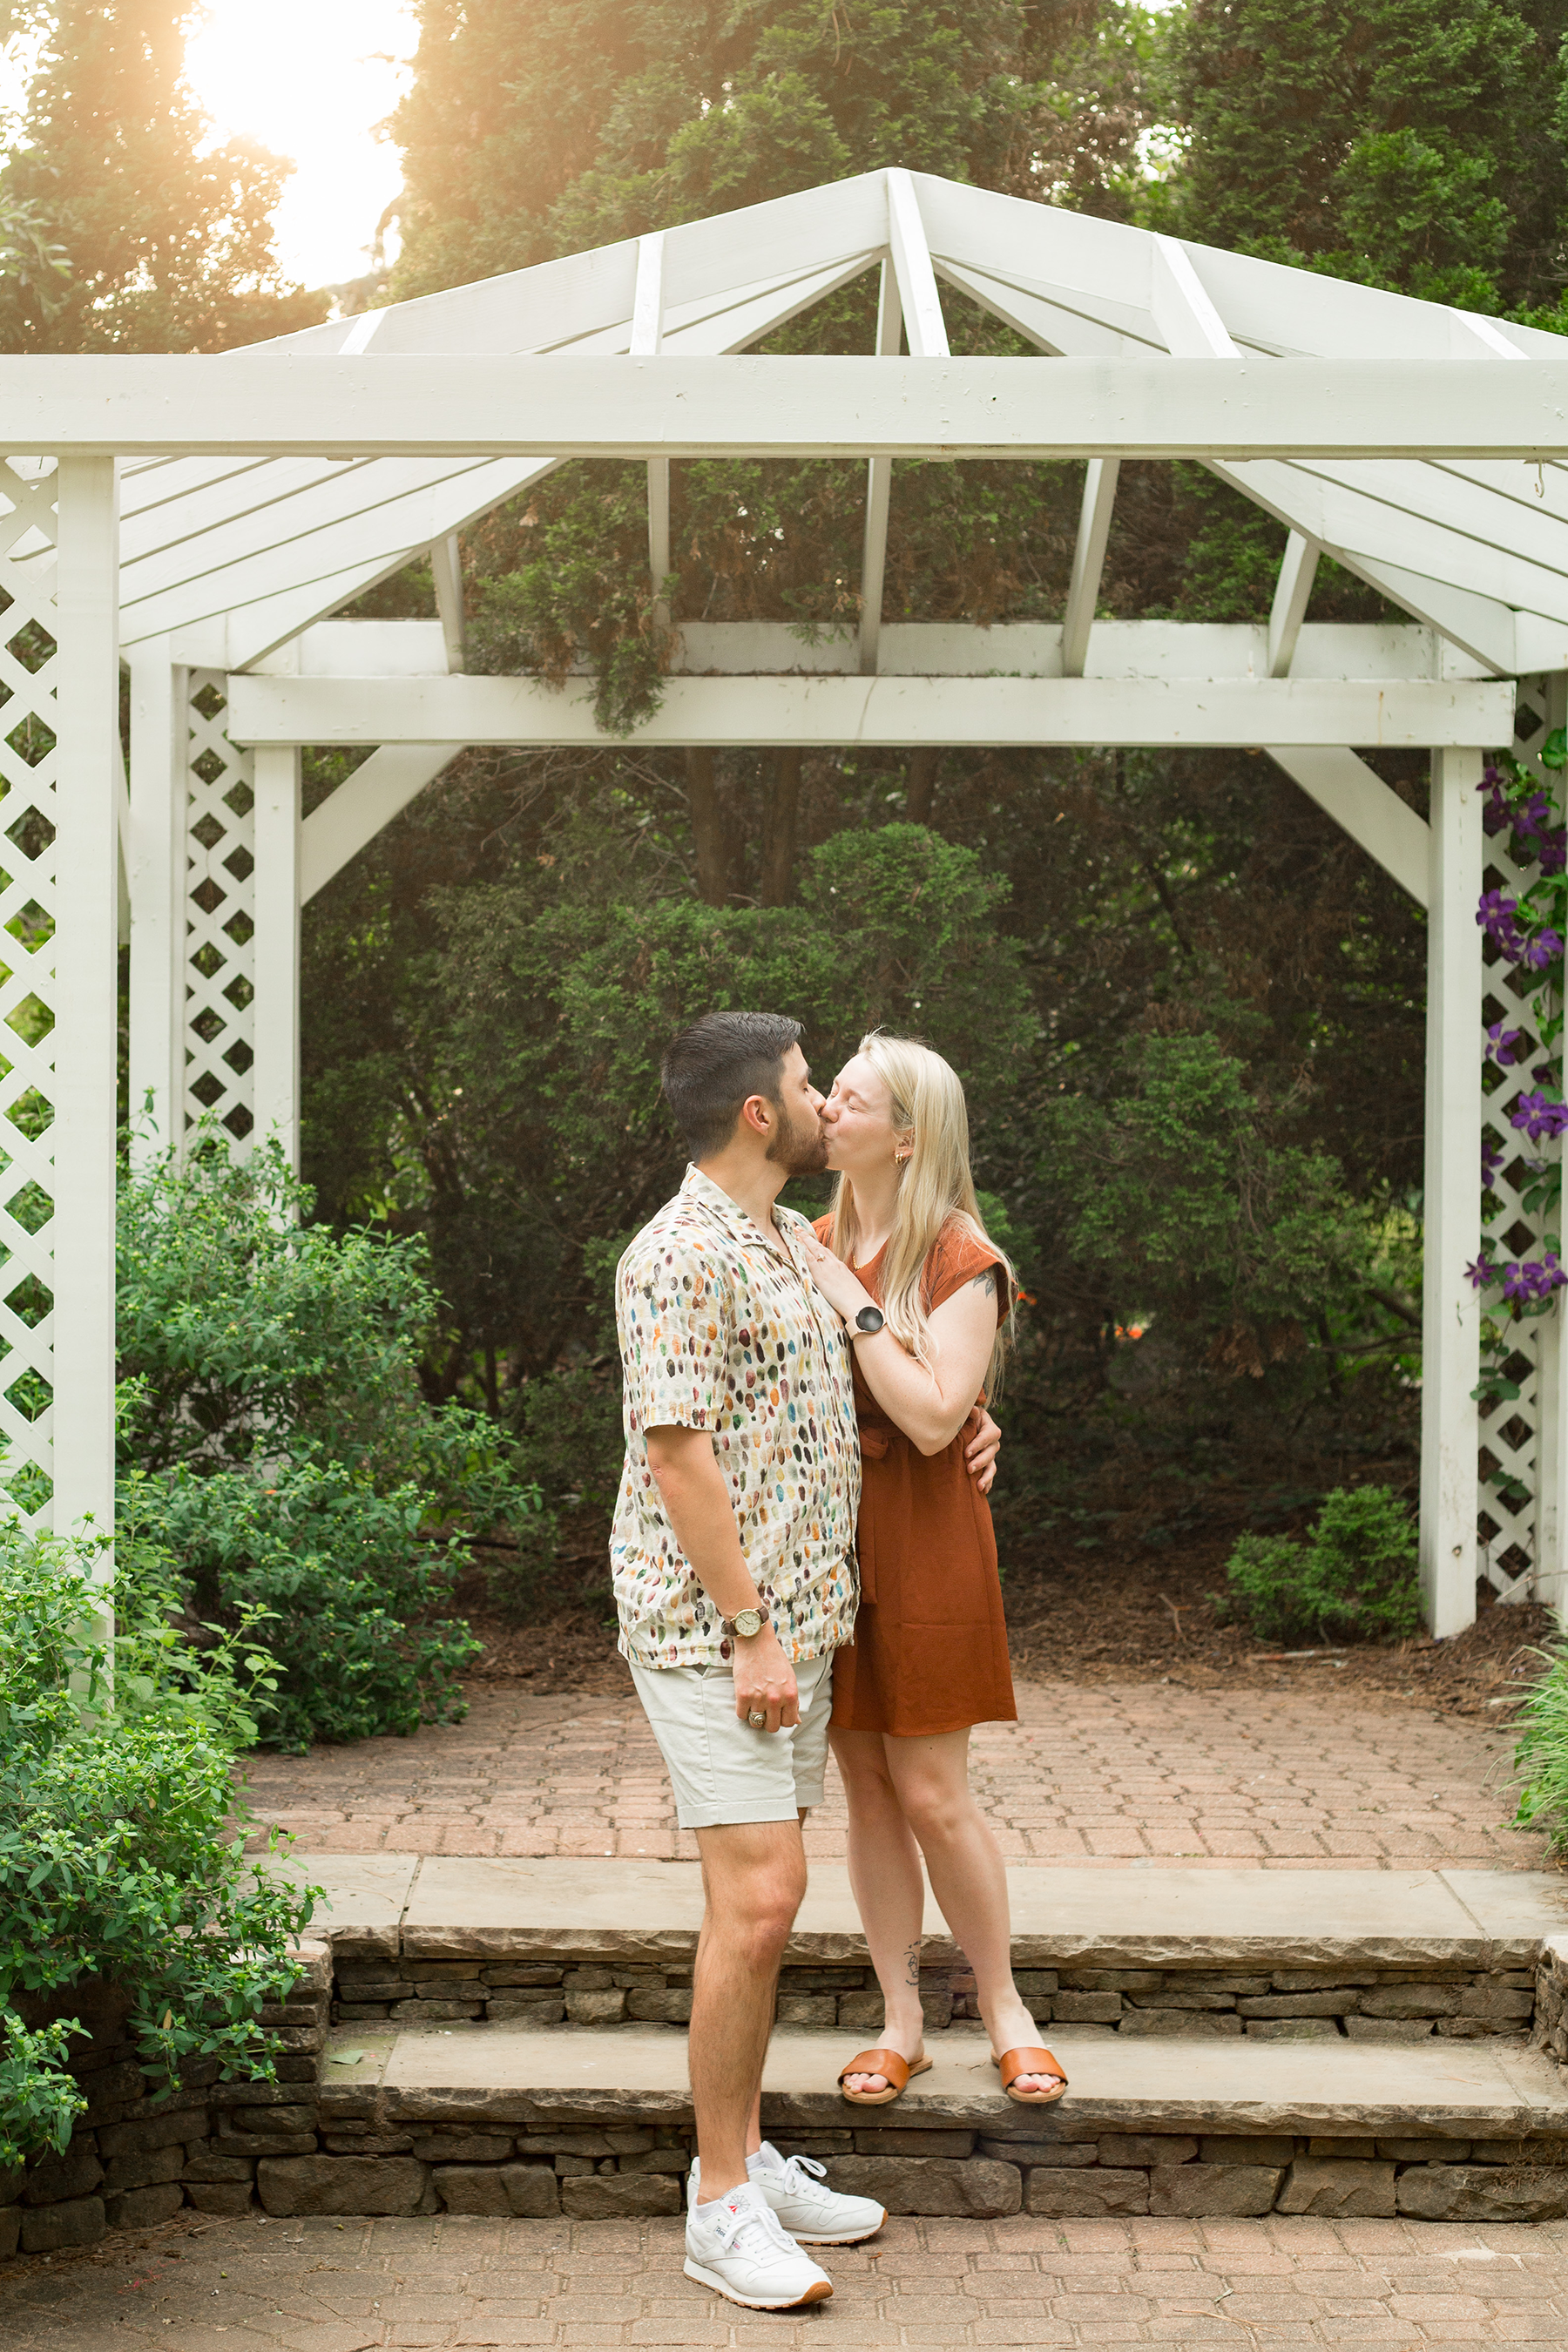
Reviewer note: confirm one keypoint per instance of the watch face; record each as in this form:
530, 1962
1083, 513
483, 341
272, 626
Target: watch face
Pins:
868, 1319
747, 1621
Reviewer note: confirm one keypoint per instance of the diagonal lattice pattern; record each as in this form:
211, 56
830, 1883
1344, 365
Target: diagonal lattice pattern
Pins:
27, 909
1509, 1430
220, 907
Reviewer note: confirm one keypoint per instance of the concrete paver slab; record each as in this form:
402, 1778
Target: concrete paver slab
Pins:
1323, 2088
364, 1894
1067, 1916
1517, 1909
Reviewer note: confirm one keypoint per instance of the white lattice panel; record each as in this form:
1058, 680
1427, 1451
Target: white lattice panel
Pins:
28, 911
220, 912
1510, 1430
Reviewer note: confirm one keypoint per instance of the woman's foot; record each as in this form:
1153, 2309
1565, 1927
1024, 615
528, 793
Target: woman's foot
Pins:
1011, 2027
908, 2041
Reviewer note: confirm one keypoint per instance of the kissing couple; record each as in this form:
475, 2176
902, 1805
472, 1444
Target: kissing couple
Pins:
802, 1554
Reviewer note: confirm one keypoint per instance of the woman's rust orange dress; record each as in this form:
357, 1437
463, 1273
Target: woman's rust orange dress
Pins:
929, 1653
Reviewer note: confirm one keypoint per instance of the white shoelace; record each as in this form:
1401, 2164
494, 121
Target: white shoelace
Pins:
762, 2221
795, 2180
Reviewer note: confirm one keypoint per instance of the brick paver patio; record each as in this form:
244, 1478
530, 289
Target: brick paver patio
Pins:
327, 2286
1291, 1779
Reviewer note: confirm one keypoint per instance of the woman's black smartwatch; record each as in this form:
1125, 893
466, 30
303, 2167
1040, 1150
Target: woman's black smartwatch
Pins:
870, 1320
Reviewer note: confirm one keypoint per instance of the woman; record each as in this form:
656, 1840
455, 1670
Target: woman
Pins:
926, 1297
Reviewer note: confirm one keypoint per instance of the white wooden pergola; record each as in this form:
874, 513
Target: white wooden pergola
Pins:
201, 520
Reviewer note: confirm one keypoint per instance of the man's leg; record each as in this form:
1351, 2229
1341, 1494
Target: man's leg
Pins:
754, 1877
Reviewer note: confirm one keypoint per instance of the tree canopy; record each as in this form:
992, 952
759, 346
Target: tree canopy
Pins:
537, 127
158, 242
1407, 144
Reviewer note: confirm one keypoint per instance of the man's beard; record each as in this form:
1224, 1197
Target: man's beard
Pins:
800, 1151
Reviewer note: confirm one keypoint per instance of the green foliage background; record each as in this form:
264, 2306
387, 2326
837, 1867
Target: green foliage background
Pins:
1189, 1011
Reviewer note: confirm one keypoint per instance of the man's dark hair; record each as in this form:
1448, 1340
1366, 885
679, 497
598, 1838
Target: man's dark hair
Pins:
712, 1068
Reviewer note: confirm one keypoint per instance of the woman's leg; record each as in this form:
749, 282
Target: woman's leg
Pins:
930, 1778
885, 1876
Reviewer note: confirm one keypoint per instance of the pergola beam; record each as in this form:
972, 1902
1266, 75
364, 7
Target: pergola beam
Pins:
878, 486
349, 819
1152, 649
447, 571
1089, 561
921, 302
289, 404
1191, 327
1358, 799
646, 343
834, 711
1292, 594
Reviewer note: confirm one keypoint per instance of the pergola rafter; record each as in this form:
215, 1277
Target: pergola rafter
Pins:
1423, 448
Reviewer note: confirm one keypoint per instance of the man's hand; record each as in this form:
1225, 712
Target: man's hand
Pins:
982, 1443
765, 1681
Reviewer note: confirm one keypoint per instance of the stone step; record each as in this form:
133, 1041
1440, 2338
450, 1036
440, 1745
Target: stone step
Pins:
485, 2119
435, 1907
469, 2074
1259, 1955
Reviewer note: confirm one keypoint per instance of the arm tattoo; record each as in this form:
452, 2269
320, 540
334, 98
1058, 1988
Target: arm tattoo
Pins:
986, 1281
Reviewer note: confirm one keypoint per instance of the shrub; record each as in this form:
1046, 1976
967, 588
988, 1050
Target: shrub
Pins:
351, 1583
278, 1456
1354, 1577
120, 1873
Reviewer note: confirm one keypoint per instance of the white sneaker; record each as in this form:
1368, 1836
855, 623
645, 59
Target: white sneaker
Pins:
814, 2214
737, 2247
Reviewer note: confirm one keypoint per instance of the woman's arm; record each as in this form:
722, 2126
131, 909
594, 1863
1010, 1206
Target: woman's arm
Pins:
929, 1406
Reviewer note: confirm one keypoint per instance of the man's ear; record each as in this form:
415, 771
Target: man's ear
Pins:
757, 1115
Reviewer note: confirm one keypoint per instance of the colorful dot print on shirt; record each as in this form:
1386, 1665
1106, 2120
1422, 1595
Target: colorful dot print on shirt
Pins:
719, 1331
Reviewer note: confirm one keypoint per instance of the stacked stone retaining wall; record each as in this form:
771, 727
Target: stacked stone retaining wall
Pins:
305, 2145
134, 2159
591, 2166
1268, 2004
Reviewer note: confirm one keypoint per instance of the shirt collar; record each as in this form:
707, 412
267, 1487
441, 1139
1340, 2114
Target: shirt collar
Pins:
737, 1223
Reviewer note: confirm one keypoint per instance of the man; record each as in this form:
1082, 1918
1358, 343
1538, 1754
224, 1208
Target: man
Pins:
734, 1554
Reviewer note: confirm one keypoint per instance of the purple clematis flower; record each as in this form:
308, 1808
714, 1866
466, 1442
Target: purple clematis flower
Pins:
1539, 1116
1532, 1280
1501, 1045
1499, 918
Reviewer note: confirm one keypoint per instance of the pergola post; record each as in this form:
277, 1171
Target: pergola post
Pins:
155, 862
86, 853
1450, 1310
275, 1011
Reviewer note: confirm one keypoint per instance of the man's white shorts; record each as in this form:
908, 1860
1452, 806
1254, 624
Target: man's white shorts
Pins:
722, 1770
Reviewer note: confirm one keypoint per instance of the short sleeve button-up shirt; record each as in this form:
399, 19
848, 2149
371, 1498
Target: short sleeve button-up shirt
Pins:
722, 1329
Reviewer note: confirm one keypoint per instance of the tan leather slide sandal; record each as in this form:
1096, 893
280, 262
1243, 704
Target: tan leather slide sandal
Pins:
894, 2070
1031, 2061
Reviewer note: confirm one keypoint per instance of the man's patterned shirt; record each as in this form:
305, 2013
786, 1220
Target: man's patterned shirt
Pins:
719, 1331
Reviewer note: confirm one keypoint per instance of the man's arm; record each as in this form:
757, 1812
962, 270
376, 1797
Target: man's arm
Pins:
696, 1499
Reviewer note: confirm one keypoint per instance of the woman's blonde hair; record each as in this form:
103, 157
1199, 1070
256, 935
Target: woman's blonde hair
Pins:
935, 1189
